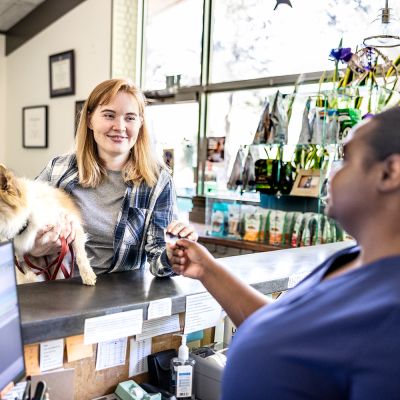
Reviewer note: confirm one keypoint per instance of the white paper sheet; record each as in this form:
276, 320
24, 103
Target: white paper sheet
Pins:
51, 354
294, 279
113, 326
111, 353
159, 326
159, 308
139, 350
202, 311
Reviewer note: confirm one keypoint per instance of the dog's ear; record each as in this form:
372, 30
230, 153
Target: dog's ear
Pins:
7, 181
3, 177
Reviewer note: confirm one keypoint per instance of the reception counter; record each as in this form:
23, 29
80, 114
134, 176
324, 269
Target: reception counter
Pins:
51, 310
58, 309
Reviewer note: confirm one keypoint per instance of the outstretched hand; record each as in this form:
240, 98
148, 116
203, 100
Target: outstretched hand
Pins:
190, 259
182, 230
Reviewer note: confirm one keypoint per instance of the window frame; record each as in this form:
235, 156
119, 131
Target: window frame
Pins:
200, 93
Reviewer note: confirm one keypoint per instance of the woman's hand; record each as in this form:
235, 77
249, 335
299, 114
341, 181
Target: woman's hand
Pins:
182, 230
191, 259
48, 239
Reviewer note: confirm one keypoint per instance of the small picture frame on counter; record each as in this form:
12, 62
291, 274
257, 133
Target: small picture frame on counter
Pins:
34, 127
62, 73
307, 183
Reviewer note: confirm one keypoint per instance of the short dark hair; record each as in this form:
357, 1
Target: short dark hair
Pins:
384, 139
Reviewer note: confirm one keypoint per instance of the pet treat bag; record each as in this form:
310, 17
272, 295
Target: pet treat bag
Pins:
306, 131
219, 219
263, 128
252, 224
249, 175
234, 220
236, 177
347, 118
276, 225
278, 121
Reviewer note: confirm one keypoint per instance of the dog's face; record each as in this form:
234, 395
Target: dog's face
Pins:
12, 198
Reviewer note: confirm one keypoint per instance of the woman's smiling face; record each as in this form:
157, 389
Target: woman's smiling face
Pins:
116, 126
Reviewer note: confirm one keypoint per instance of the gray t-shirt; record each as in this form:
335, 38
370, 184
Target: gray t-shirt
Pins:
100, 208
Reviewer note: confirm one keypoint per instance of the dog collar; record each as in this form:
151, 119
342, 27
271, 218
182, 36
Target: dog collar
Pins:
23, 228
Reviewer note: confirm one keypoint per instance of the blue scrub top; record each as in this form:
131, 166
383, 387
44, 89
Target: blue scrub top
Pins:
325, 340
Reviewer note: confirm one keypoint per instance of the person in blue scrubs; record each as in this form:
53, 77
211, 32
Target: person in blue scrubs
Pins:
336, 335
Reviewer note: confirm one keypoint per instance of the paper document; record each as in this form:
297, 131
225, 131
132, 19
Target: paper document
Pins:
113, 326
159, 308
139, 350
51, 354
76, 349
160, 326
296, 278
31, 355
202, 311
111, 353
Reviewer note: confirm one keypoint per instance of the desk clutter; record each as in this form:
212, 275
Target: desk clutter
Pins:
128, 343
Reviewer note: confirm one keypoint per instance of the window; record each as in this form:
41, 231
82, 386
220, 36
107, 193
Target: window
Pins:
172, 42
174, 130
231, 55
251, 40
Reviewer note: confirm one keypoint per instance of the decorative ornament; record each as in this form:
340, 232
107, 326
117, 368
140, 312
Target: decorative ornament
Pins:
282, 2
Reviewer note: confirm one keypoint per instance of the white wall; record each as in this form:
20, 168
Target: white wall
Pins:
87, 30
2, 99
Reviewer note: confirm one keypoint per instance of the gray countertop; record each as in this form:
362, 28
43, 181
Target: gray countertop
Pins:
51, 310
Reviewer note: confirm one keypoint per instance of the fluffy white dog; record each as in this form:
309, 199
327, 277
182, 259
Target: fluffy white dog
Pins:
25, 207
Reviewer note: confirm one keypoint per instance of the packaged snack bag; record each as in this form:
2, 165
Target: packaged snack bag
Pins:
262, 132
296, 231
234, 221
276, 224
219, 219
236, 177
305, 229
290, 220
278, 120
314, 226
347, 117
249, 176
326, 231
266, 176
332, 227
306, 132
252, 224
264, 232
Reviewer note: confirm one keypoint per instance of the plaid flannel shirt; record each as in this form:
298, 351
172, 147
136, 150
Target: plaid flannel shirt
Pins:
145, 212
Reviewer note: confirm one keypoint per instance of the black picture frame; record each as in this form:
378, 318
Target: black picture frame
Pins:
35, 127
62, 73
78, 109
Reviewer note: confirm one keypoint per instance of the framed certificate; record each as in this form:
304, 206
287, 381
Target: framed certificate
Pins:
62, 74
34, 127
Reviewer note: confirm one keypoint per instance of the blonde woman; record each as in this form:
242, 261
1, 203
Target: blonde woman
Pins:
125, 194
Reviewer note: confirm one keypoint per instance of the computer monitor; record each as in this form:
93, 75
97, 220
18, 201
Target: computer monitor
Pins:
12, 366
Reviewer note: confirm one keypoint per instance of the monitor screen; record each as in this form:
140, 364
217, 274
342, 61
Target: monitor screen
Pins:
12, 367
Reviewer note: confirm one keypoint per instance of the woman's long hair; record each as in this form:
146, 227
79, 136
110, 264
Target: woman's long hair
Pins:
142, 164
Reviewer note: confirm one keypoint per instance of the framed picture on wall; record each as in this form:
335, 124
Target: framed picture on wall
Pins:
78, 109
34, 127
62, 74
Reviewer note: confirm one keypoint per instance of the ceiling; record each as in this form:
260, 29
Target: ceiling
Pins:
12, 11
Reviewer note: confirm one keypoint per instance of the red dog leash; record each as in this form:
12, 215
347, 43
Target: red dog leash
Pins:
58, 263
